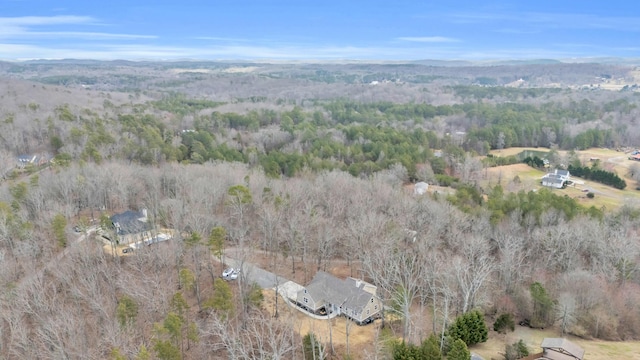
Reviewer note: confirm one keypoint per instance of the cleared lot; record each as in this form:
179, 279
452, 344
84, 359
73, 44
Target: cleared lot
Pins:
605, 196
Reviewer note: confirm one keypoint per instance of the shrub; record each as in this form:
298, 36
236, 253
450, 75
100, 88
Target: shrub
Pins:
446, 180
515, 351
459, 351
504, 322
430, 349
590, 195
469, 328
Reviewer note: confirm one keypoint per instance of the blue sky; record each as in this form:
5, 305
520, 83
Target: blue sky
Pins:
318, 30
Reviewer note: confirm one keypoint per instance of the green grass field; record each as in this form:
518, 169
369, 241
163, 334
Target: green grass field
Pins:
605, 196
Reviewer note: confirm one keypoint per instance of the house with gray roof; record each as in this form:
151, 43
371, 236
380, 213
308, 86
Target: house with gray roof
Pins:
353, 298
131, 227
558, 179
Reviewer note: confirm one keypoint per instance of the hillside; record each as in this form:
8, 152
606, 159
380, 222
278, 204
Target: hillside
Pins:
128, 187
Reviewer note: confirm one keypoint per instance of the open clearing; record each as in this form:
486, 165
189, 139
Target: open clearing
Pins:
361, 338
594, 349
605, 196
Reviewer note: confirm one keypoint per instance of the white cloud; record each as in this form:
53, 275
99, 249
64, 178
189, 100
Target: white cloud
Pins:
257, 52
81, 35
428, 39
22, 21
217, 38
128, 51
16, 28
544, 21
141, 51
517, 31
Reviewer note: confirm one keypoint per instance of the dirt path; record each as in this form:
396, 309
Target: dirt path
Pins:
303, 273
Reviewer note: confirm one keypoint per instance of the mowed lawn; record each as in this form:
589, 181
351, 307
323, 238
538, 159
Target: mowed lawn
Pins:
606, 197
594, 349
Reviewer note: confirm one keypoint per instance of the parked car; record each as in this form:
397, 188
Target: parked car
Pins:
230, 274
227, 272
366, 321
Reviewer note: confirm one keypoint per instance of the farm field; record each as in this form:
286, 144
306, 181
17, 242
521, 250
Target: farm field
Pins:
529, 178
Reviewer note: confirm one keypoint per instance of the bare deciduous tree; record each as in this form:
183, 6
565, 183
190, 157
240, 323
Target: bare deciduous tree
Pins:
472, 269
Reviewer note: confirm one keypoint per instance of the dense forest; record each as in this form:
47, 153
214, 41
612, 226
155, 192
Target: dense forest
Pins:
314, 171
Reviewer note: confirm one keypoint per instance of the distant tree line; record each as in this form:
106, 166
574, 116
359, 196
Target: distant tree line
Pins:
533, 204
361, 138
489, 92
493, 161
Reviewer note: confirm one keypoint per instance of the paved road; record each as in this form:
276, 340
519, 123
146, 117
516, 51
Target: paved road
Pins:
252, 273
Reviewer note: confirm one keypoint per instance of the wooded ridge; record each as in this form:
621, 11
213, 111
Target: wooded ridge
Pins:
301, 168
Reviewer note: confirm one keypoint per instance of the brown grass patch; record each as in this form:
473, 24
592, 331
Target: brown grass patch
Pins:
529, 178
361, 338
594, 349
606, 197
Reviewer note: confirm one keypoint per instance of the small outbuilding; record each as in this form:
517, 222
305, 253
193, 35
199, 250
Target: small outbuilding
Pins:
560, 349
420, 188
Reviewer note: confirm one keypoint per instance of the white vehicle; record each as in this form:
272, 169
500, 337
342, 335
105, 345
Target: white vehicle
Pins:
230, 274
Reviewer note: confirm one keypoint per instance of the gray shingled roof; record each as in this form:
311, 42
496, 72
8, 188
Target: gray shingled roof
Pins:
129, 222
563, 346
553, 179
345, 293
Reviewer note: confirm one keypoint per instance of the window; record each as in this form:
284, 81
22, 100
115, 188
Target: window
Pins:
372, 300
367, 311
375, 307
306, 301
305, 291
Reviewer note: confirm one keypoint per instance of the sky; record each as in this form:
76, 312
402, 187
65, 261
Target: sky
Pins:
330, 30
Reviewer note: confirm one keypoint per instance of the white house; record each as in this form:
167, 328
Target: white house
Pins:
557, 179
